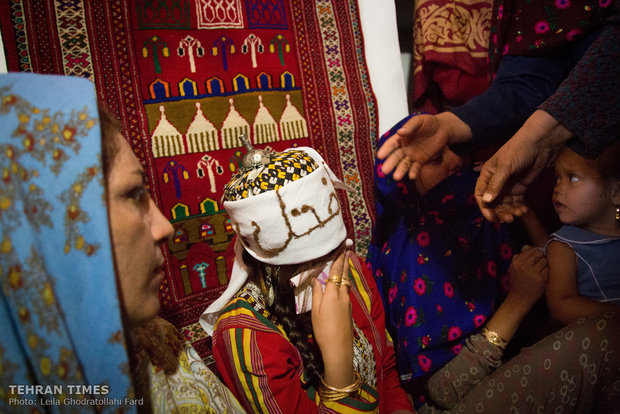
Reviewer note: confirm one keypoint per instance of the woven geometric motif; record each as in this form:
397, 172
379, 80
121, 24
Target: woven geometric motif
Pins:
21, 55
193, 332
343, 110
74, 40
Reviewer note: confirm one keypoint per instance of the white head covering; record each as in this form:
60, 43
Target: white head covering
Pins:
298, 222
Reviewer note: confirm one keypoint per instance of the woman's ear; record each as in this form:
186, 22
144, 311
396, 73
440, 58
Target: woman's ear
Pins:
615, 193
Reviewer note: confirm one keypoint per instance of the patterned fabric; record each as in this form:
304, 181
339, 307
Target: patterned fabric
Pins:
363, 356
265, 371
283, 168
439, 266
450, 52
178, 380
524, 27
186, 78
598, 261
574, 370
56, 261
592, 84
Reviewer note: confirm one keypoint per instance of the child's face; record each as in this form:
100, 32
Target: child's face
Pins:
437, 169
579, 196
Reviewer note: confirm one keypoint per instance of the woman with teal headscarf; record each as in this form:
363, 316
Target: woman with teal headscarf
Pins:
81, 265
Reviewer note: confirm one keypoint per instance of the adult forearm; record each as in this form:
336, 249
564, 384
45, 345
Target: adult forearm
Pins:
506, 320
545, 132
588, 101
521, 85
339, 370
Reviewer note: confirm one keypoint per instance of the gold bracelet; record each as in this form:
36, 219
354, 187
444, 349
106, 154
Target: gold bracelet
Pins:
329, 393
494, 338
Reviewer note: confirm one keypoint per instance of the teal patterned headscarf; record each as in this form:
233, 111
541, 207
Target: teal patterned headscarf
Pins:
60, 320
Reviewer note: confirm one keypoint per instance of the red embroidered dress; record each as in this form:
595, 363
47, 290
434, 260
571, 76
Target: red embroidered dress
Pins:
265, 371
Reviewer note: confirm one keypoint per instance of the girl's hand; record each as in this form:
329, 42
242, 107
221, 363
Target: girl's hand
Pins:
332, 324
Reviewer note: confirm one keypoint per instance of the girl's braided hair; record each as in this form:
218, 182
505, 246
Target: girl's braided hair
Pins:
284, 312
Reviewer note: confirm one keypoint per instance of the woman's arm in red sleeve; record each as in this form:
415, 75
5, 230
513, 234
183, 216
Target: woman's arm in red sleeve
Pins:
263, 371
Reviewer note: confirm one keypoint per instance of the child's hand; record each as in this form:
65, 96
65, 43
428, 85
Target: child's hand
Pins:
528, 276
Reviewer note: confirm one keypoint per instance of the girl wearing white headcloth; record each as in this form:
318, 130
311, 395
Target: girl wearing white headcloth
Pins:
301, 326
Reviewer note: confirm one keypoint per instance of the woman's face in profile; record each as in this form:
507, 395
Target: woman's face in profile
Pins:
137, 230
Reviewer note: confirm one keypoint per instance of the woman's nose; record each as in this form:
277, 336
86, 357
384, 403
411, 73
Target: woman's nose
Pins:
161, 228
454, 161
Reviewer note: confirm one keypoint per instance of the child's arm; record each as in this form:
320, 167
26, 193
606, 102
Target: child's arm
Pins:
562, 295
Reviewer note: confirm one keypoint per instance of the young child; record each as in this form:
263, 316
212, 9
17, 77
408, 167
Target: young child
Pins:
584, 254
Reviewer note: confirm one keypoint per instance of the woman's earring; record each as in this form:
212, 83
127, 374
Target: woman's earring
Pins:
269, 283
617, 213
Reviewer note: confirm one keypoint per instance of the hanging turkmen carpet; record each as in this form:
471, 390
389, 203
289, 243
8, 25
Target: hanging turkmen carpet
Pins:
186, 78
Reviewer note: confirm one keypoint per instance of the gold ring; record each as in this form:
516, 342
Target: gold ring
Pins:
335, 280
345, 282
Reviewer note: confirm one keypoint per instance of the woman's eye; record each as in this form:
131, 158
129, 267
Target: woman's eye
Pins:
436, 160
138, 195
573, 178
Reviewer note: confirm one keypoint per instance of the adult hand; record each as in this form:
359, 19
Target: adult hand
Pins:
419, 140
332, 324
527, 277
500, 189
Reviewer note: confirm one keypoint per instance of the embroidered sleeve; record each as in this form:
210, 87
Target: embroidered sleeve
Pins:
264, 370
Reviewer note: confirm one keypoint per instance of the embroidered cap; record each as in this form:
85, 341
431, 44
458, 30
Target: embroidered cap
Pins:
281, 169
287, 211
